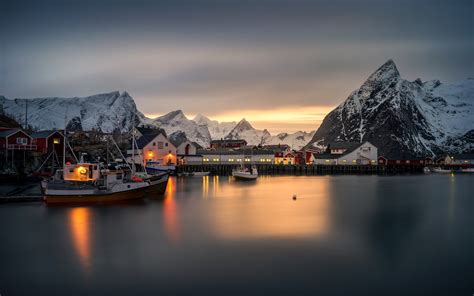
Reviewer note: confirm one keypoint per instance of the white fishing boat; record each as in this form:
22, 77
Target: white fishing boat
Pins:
90, 182
244, 173
200, 174
467, 170
441, 170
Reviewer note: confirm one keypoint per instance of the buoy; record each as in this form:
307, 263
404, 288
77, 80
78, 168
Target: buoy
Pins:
294, 197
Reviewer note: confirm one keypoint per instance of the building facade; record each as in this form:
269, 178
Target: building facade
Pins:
347, 153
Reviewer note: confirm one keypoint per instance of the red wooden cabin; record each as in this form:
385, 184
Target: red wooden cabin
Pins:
46, 141
15, 139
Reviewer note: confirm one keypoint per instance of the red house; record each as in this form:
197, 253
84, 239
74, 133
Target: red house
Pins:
46, 141
15, 139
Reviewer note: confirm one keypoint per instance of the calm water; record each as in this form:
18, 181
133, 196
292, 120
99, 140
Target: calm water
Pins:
344, 235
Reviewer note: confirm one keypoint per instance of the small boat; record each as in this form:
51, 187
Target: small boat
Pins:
200, 174
244, 173
154, 167
441, 171
467, 170
426, 170
88, 182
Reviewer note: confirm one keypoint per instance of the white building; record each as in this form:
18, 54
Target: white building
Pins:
237, 156
347, 153
154, 146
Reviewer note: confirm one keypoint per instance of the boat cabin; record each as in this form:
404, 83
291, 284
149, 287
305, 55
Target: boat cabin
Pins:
83, 172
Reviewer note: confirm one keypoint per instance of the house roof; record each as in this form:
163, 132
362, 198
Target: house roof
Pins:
222, 151
145, 139
228, 141
348, 146
150, 131
277, 148
43, 134
197, 145
8, 132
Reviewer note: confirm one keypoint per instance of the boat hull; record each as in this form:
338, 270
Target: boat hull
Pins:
158, 185
137, 193
244, 177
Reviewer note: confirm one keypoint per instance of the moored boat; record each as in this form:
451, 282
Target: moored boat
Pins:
88, 182
244, 173
441, 170
154, 167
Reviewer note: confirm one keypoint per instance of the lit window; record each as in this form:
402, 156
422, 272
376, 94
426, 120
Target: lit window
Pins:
247, 159
354, 161
56, 141
160, 145
407, 161
466, 161
239, 159
205, 159
344, 160
215, 159
231, 159
327, 160
373, 161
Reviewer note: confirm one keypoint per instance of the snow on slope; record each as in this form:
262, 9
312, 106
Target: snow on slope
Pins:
218, 130
244, 130
176, 121
403, 118
296, 140
107, 112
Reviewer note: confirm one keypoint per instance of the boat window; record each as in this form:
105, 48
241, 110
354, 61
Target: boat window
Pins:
119, 176
71, 170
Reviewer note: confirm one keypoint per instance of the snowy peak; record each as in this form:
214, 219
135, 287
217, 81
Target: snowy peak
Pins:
243, 125
176, 115
403, 118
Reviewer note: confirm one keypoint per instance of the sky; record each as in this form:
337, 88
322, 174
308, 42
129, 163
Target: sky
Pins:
283, 65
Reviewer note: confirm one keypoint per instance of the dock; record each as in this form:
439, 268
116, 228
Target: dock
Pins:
276, 169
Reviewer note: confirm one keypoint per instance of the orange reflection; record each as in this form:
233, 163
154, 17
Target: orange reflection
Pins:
266, 209
215, 184
205, 186
170, 212
79, 225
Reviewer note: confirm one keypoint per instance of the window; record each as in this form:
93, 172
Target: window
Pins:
205, 159
407, 161
247, 159
373, 161
327, 160
215, 159
56, 140
154, 144
231, 159
239, 159
160, 145
354, 161
269, 160
344, 160
166, 144
22, 141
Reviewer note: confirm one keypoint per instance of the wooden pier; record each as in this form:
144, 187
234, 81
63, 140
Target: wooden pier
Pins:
275, 169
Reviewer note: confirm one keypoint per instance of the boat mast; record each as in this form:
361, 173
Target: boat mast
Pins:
64, 140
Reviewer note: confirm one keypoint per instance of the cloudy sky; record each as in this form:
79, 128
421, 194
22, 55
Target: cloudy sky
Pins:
281, 64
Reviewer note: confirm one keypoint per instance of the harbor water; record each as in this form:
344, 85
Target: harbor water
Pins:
278, 235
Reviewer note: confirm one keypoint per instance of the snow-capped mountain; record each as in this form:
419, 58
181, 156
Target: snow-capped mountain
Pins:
176, 121
218, 130
117, 112
244, 130
296, 140
404, 118
107, 112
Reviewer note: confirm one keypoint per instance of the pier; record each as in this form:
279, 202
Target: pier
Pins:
276, 169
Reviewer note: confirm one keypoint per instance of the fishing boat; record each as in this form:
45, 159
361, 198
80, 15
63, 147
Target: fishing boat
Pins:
201, 174
467, 170
441, 170
244, 173
91, 182
158, 182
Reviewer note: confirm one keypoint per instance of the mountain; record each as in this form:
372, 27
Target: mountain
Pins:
244, 130
296, 140
218, 130
107, 112
404, 118
176, 121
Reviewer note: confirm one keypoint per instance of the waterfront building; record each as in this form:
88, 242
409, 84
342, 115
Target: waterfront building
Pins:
154, 146
399, 160
457, 159
347, 153
216, 144
16, 139
237, 156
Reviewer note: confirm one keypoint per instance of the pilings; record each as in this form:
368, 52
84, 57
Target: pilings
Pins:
275, 169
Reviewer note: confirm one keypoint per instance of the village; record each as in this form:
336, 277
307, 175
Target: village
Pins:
38, 153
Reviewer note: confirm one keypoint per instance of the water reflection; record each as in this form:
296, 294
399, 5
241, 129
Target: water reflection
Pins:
170, 211
243, 210
79, 220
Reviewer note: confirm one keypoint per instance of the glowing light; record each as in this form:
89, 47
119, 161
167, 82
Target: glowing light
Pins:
82, 170
150, 154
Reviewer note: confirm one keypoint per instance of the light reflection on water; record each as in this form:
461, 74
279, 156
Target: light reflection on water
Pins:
79, 223
213, 235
